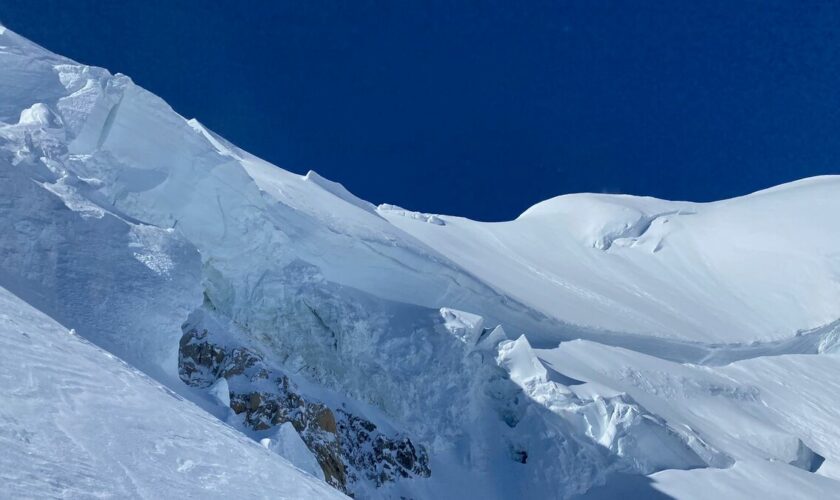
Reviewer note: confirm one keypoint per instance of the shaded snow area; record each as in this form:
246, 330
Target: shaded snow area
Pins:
243, 331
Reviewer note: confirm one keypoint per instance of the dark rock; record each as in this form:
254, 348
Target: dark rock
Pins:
520, 456
348, 448
377, 457
202, 362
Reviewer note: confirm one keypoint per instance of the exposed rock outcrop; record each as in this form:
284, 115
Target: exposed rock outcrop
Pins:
375, 456
348, 448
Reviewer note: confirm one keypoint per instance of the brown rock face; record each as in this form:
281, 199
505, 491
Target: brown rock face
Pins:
202, 362
254, 402
314, 422
326, 420
348, 448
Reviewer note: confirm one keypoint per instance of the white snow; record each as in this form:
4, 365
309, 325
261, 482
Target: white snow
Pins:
395, 210
739, 270
37, 115
287, 443
764, 413
465, 326
517, 357
690, 344
79, 423
221, 392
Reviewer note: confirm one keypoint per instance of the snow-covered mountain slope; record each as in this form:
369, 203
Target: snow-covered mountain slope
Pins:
79, 423
766, 414
756, 268
408, 354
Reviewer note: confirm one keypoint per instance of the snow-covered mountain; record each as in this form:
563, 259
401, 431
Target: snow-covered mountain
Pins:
597, 345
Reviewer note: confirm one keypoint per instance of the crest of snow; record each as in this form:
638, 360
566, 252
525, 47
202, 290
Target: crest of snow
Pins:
491, 340
601, 221
464, 326
394, 209
517, 357
338, 190
221, 392
748, 410
221, 145
37, 115
287, 443
642, 442
830, 339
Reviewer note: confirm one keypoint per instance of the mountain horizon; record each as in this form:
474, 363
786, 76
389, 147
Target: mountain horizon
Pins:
180, 318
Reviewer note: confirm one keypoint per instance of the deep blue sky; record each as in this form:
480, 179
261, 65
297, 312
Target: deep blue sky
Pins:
484, 108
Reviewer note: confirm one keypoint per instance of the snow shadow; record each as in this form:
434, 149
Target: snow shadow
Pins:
626, 486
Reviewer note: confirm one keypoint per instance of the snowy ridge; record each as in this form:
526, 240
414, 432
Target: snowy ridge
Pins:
699, 272
396, 353
430, 218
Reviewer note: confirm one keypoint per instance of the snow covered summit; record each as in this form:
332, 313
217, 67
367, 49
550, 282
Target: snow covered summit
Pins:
382, 352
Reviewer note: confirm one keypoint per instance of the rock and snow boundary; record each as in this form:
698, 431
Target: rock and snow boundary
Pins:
385, 352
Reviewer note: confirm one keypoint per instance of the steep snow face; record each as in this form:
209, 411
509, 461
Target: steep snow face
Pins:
78, 422
413, 354
120, 282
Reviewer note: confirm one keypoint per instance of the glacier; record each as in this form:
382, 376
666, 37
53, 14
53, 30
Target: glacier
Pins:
218, 302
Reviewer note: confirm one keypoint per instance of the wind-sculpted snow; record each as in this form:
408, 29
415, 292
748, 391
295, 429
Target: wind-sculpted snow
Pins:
399, 353
79, 423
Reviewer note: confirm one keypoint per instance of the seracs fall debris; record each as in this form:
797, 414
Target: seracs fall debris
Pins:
411, 354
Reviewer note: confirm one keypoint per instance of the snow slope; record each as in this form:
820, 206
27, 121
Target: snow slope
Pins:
78, 422
398, 353
756, 268
766, 413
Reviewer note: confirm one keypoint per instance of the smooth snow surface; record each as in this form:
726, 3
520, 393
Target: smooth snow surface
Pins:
596, 345
756, 268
